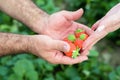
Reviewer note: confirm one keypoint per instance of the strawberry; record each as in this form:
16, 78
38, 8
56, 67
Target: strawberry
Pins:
73, 52
78, 43
71, 37
78, 32
75, 42
83, 36
66, 40
72, 48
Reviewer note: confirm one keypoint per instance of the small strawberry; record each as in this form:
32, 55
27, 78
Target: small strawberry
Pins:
72, 49
78, 32
78, 43
83, 36
66, 40
71, 37
75, 42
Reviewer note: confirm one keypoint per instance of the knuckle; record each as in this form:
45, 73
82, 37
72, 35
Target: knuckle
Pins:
64, 12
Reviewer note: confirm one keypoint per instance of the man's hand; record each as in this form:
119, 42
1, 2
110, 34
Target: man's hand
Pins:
40, 45
52, 50
60, 24
109, 23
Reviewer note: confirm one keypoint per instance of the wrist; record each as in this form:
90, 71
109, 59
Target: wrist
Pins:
34, 44
37, 44
39, 23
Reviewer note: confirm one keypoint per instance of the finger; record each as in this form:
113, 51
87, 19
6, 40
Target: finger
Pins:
60, 58
73, 15
113, 10
85, 52
88, 30
92, 39
60, 45
95, 26
68, 60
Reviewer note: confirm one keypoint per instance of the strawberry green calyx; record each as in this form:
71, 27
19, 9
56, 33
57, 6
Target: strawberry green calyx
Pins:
82, 36
71, 37
75, 53
79, 30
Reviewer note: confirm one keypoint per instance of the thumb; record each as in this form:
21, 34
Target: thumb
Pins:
60, 45
73, 15
95, 26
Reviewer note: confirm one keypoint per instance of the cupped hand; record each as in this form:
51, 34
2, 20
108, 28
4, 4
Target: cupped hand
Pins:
109, 23
52, 50
60, 24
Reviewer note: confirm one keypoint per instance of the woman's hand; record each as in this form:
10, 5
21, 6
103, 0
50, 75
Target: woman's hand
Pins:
109, 23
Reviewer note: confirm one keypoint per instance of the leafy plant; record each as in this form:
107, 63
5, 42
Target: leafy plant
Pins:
29, 67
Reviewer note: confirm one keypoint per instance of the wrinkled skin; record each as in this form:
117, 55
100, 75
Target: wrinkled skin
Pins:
109, 23
60, 24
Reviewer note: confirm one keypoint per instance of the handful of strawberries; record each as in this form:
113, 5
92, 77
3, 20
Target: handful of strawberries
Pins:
75, 42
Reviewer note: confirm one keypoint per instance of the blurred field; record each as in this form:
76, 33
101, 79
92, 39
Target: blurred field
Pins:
103, 63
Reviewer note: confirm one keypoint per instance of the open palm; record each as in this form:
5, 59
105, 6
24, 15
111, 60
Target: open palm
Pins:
62, 23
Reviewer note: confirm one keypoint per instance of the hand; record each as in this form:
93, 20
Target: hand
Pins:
60, 24
109, 23
51, 50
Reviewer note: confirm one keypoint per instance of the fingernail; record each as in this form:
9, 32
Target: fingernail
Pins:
83, 49
100, 28
66, 48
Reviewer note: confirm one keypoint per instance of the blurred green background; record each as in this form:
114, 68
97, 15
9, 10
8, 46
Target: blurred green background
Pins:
103, 63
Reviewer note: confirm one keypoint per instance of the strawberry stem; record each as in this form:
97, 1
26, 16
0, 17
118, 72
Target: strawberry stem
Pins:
79, 30
71, 37
75, 53
82, 36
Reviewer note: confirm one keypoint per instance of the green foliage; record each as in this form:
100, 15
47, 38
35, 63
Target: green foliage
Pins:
93, 53
115, 75
29, 67
47, 5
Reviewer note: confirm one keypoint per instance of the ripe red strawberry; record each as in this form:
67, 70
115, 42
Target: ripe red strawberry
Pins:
78, 43
75, 42
83, 36
72, 48
78, 32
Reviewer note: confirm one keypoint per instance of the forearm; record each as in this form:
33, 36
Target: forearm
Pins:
25, 11
13, 43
